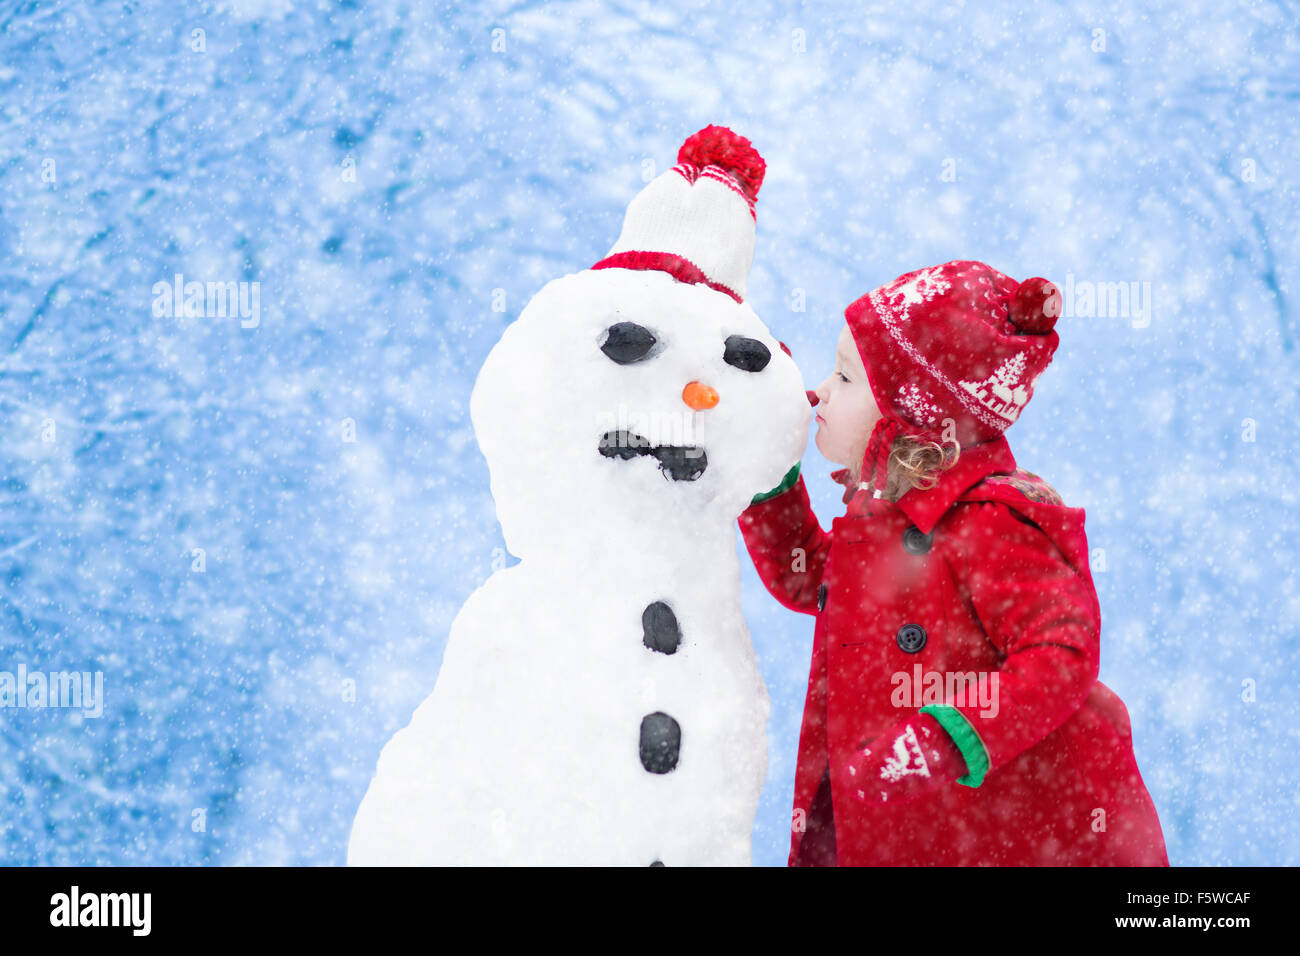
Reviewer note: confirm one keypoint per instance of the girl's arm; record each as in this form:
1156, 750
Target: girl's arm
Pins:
1042, 616
787, 545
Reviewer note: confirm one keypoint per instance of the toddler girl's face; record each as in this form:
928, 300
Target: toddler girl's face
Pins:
846, 411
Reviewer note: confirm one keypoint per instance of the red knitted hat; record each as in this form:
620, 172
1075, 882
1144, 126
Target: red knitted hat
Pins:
958, 343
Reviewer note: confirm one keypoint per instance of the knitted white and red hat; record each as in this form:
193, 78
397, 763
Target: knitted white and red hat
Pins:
696, 221
951, 352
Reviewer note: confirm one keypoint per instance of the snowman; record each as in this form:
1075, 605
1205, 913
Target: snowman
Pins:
599, 702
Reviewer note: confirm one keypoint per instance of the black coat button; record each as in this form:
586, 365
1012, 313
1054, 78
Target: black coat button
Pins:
911, 638
915, 542
821, 597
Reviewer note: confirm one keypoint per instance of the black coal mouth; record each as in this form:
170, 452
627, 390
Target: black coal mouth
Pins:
678, 462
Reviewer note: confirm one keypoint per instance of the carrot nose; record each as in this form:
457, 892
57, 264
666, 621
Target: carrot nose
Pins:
699, 396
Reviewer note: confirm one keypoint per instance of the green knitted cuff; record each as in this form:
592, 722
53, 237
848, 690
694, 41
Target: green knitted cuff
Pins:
966, 738
786, 484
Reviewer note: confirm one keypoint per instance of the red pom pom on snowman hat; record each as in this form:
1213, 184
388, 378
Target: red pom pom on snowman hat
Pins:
719, 146
1035, 306
696, 220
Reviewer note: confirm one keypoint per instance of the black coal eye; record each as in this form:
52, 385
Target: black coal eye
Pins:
627, 342
748, 354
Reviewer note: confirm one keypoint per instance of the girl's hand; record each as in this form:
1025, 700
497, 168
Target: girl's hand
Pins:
905, 762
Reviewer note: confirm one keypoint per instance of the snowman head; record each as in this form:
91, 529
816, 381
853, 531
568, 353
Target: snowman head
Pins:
625, 397
643, 394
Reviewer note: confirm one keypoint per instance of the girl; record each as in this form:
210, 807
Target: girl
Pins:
953, 713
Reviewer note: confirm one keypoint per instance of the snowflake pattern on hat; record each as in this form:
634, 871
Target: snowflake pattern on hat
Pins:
922, 287
919, 403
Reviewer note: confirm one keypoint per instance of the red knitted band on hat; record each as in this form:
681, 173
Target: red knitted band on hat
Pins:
679, 267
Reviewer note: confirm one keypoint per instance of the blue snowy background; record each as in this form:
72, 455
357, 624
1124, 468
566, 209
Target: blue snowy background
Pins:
400, 178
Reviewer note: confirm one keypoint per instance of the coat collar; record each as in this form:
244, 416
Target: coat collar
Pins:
926, 506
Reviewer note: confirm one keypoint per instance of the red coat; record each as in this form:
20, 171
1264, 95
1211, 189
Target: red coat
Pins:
987, 572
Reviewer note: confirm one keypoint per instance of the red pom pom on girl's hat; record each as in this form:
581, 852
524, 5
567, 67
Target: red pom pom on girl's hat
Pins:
1035, 306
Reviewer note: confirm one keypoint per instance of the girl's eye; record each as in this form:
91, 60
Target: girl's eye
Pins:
841, 375
627, 342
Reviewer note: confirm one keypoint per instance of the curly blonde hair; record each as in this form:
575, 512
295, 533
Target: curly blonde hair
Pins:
913, 463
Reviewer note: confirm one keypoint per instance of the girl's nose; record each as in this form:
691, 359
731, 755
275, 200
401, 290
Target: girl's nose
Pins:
699, 396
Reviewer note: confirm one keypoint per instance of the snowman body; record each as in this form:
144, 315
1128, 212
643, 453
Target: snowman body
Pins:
599, 703
528, 750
